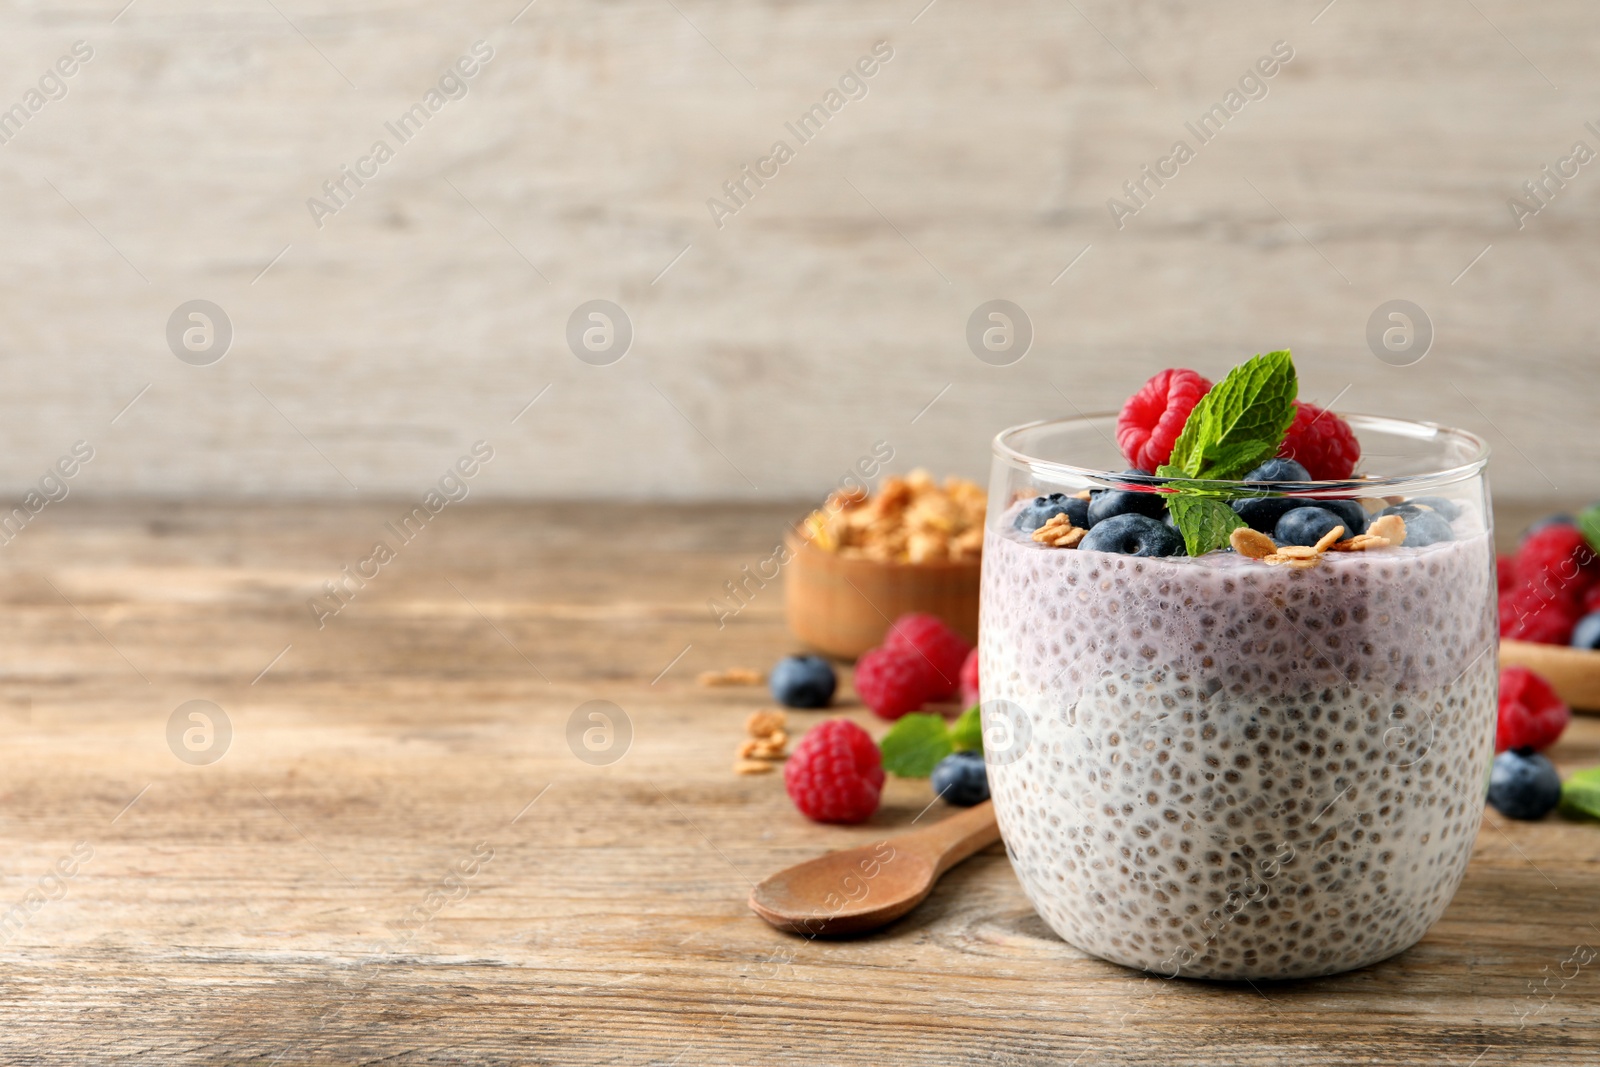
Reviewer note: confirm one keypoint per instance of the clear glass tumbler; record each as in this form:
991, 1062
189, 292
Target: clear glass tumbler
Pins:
1219, 768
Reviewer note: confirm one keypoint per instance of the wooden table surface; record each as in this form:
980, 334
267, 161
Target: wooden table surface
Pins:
399, 858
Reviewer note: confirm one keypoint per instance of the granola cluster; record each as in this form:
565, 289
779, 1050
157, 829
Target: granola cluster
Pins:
1058, 532
765, 747
909, 520
1385, 531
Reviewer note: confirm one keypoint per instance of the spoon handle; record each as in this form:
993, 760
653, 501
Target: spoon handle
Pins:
949, 841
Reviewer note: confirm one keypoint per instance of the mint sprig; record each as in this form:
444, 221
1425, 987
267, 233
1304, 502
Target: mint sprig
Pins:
1205, 522
1580, 793
1234, 427
966, 733
1589, 523
915, 745
917, 742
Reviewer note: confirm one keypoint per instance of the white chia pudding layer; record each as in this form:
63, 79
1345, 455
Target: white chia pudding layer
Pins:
1225, 769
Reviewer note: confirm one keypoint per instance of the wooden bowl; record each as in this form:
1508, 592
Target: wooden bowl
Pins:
843, 606
1574, 672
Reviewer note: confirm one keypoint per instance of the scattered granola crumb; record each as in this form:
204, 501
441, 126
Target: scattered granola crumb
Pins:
769, 748
731, 676
766, 743
753, 766
765, 723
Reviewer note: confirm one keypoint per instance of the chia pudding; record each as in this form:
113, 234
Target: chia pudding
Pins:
1223, 769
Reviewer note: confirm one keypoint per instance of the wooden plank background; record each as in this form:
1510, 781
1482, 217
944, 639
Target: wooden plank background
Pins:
827, 314
283, 904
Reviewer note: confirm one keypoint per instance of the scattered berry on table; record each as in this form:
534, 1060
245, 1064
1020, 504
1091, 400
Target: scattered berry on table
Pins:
1532, 716
1306, 526
961, 779
969, 679
1153, 417
1105, 503
894, 681
1505, 572
1587, 633
1322, 442
835, 773
1558, 562
1044, 508
1133, 535
803, 682
1548, 521
1523, 784
1528, 613
935, 641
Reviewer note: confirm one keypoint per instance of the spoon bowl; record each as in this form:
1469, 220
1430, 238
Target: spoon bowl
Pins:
860, 889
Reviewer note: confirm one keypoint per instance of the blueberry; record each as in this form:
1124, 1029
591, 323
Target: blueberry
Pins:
1587, 633
1426, 528
1044, 508
1306, 525
961, 779
1352, 516
803, 682
1133, 535
1106, 503
1424, 525
1448, 508
1279, 470
1523, 784
1562, 519
1263, 512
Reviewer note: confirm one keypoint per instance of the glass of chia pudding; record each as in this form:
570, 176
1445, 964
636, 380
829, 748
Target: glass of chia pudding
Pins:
1266, 760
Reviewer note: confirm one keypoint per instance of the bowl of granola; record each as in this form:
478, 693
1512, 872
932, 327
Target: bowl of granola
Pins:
864, 559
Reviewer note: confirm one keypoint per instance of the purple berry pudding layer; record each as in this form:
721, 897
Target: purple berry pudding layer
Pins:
1223, 769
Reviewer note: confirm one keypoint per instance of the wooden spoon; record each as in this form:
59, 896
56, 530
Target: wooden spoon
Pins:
861, 889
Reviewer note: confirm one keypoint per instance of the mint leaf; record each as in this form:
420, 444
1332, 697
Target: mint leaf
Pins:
1235, 426
966, 733
1589, 523
1205, 522
1241, 421
1580, 793
915, 744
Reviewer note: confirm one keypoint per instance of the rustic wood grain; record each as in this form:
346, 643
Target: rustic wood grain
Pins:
829, 313
263, 909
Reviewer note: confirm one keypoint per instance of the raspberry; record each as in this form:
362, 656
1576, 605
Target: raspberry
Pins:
1322, 443
944, 649
1558, 562
1153, 417
1531, 715
969, 680
1528, 613
893, 681
1591, 600
1506, 573
835, 773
